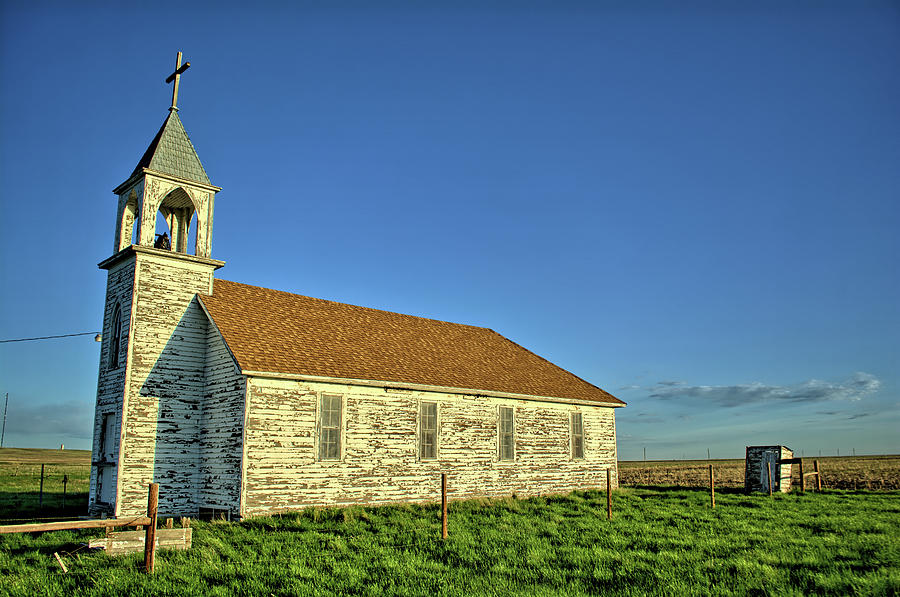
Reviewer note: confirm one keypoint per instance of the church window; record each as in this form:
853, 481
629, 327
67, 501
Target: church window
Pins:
507, 434
115, 337
330, 427
428, 430
577, 436
107, 437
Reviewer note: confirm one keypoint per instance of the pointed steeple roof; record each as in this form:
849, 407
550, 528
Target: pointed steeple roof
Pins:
171, 152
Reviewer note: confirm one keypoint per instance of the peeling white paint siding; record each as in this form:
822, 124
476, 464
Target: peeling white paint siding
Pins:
166, 385
221, 430
380, 461
111, 381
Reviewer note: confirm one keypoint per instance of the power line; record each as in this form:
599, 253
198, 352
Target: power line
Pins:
49, 337
5, 408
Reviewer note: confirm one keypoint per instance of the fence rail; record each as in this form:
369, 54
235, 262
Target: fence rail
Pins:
74, 524
149, 522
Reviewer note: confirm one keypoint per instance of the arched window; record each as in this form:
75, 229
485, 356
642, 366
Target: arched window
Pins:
115, 338
174, 217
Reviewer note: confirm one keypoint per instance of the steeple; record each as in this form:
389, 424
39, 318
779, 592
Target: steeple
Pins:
151, 381
171, 152
170, 180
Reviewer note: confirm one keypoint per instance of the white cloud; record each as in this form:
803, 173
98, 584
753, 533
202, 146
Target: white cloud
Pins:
812, 391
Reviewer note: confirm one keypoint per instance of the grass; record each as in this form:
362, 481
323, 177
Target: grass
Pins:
660, 541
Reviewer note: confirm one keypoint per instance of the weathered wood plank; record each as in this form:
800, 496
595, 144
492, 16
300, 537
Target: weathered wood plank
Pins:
73, 524
123, 542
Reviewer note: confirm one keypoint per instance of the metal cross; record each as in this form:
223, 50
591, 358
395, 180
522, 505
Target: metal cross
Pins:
175, 77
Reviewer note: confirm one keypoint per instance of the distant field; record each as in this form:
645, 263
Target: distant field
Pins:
838, 472
28, 456
20, 483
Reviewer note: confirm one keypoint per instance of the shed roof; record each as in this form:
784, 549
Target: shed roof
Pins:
279, 332
171, 152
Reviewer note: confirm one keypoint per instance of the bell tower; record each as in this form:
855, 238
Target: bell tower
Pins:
170, 180
151, 381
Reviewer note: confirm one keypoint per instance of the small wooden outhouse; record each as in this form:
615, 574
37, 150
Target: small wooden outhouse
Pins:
763, 461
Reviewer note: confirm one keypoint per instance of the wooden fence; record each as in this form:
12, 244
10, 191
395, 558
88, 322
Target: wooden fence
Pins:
728, 474
149, 521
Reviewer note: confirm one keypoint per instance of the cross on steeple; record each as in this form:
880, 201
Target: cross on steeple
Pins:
176, 76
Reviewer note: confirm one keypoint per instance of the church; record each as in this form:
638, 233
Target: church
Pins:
243, 401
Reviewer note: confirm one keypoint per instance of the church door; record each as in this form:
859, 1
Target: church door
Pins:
105, 485
106, 491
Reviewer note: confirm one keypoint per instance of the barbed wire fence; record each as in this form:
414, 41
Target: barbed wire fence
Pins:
32, 492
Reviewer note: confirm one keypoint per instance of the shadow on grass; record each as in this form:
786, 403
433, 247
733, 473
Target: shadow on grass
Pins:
23, 507
48, 550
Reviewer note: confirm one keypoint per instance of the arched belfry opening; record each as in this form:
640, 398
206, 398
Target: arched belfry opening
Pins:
174, 218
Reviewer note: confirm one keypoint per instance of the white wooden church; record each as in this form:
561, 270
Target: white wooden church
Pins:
241, 400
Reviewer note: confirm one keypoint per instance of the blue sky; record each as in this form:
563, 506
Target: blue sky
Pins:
694, 208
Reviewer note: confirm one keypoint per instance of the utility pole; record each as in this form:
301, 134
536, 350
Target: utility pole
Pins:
3, 433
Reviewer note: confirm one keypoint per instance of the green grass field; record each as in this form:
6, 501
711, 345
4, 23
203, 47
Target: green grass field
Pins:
663, 542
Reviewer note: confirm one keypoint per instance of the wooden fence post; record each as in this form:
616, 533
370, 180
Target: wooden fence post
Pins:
769, 468
150, 537
818, 475
41, 494
608, 495
443, 505
712, 487
65, 483
802, 478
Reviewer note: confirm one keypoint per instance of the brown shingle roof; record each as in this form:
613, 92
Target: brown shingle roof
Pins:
278, 332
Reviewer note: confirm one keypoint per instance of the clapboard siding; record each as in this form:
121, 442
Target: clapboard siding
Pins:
381, 463
167, 384
111, 380
221, 432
